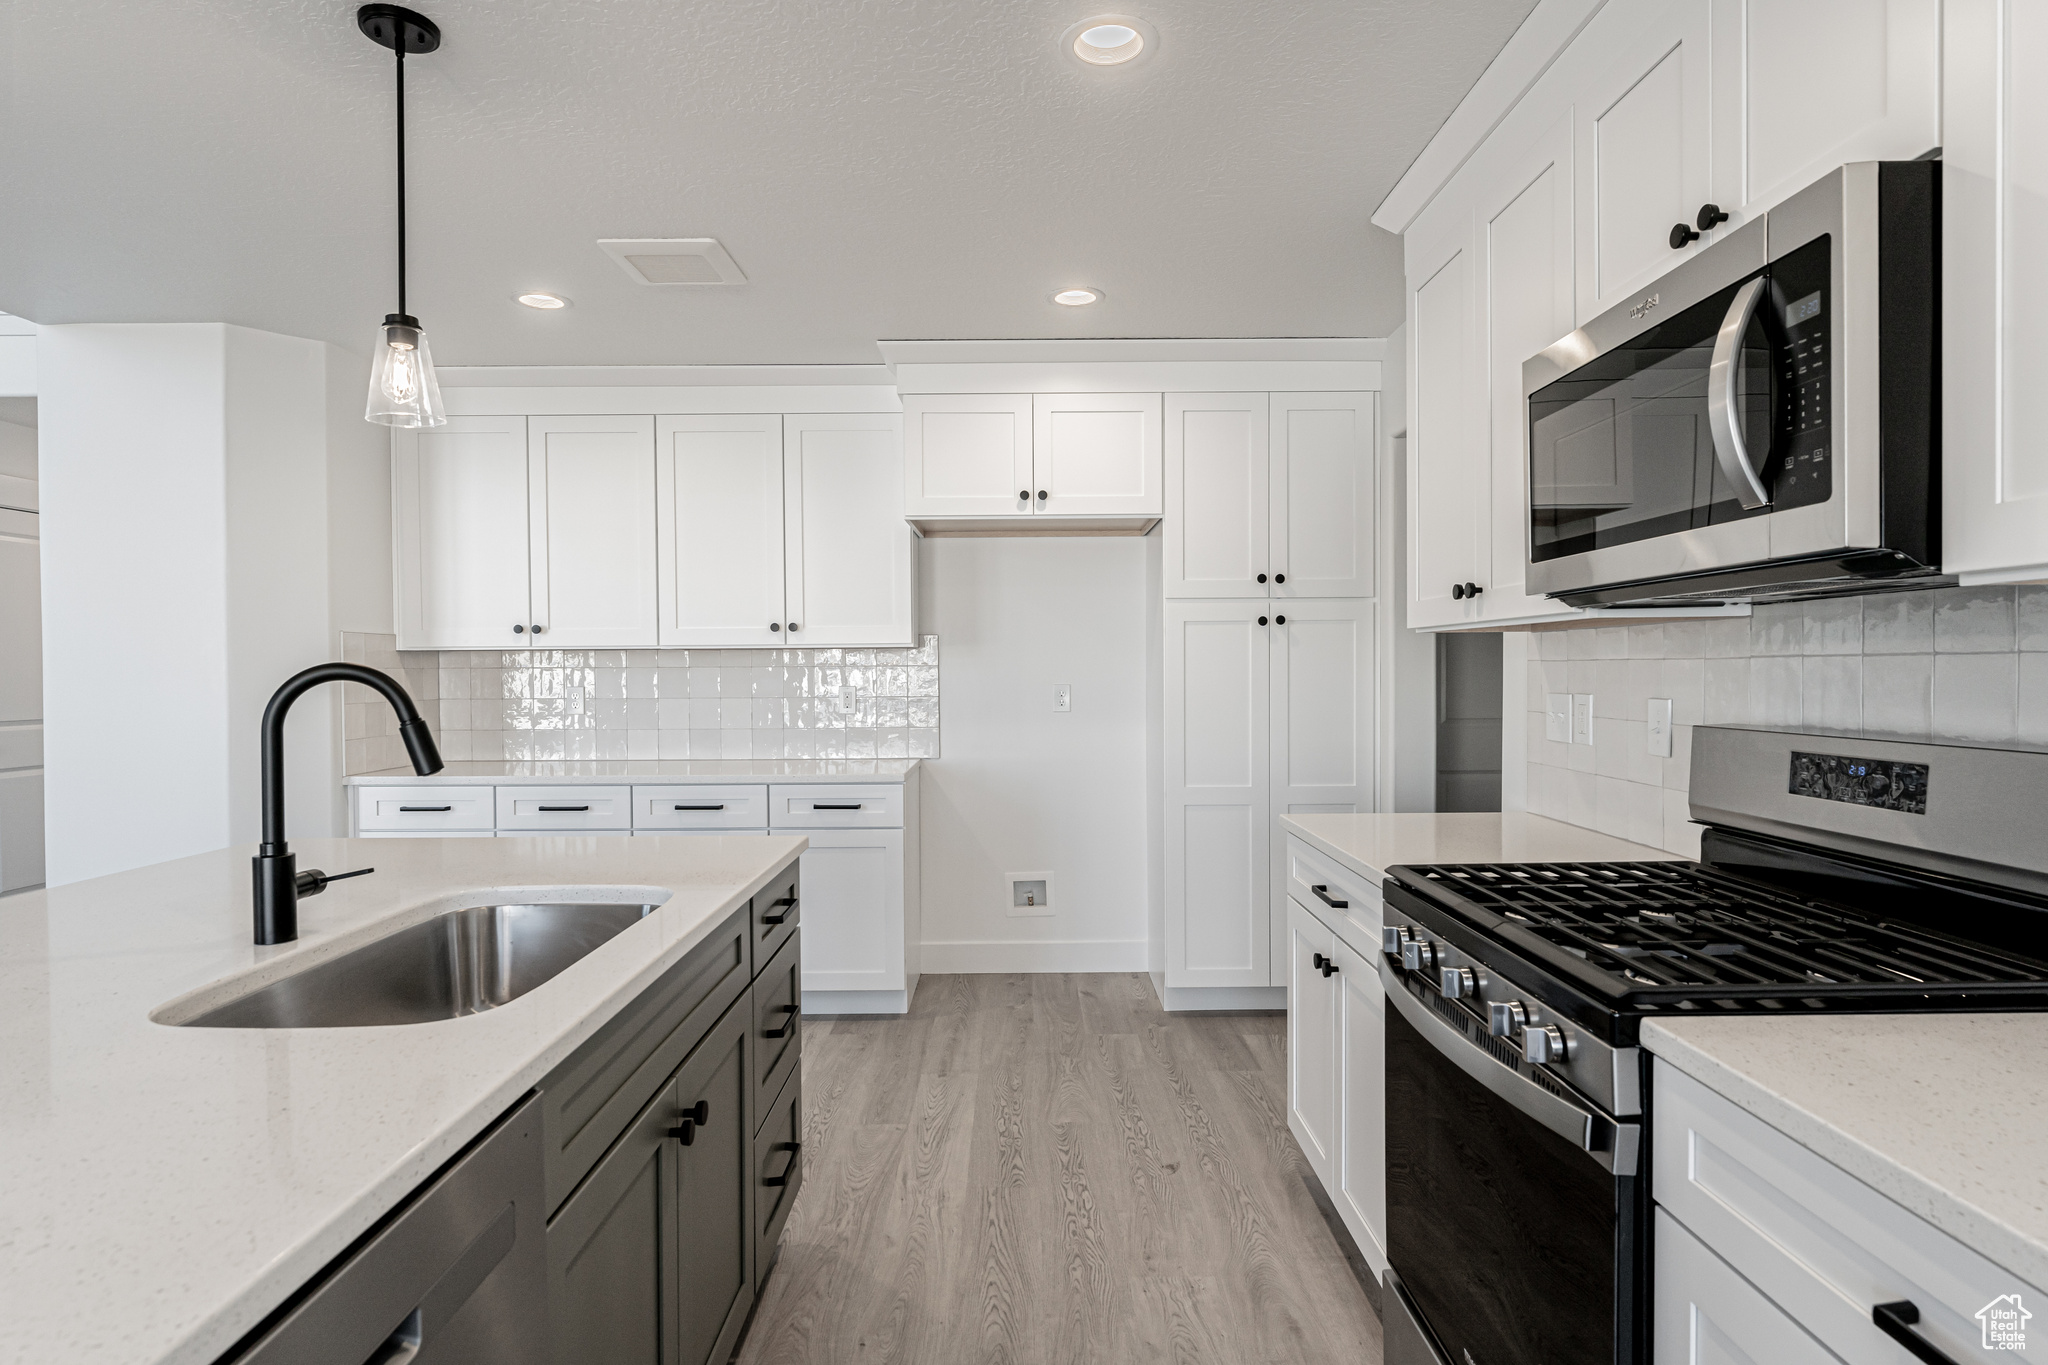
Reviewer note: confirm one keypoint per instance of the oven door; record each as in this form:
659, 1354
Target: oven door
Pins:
1513, 1225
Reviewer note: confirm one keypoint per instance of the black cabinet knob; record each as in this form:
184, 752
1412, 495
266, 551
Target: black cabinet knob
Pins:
775, 626
1041, 495
1024, 493
1262, 578
1279, 578
1457, 592
1681, 234
1473, 590
536, 628
1279, 620
1319, 960
1710, 214
792, 627
1262, 620
693, 1118
519, 630
1329, 968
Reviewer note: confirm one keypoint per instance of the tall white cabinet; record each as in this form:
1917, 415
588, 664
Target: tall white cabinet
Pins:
1267, 667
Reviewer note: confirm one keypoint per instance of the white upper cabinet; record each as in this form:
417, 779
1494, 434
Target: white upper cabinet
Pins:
1448, 488
1216, 527
1323, 499
967, 455
590, 508
1642, 151
850, 561
1096, 454
459, 494
719, 505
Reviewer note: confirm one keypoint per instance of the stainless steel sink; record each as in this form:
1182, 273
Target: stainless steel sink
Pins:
461, 962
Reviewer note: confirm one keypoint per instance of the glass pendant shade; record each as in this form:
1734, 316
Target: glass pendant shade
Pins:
403, 389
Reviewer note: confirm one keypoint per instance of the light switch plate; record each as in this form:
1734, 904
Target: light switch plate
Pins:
1063, 697
1660, 727
1582, 718
1557, 717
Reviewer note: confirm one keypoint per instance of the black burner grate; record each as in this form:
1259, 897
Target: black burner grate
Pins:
1680, 930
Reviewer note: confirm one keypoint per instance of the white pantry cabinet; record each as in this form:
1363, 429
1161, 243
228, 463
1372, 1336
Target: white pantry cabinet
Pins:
850, 562
1032, 464
1270, 495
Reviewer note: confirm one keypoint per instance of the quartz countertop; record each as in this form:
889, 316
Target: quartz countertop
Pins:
1945, 1114
1370, 844
601, 771
165, 1188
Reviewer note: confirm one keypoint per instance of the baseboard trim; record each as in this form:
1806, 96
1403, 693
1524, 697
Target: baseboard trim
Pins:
1036, 955
856, 1002
1236, 999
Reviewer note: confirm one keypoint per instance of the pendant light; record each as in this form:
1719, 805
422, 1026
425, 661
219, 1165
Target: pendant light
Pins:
403, 389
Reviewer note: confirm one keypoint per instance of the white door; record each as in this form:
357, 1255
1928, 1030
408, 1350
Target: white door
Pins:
718, 486
1218, 894
1216, 486
1782, 119
1448, 505
460, 494
853, 910
1706, 1314
1322, 499
967, 455
591, 505
1994, 291
850, 559
1526, 239
1312, 1090
1096, 454
1361, 1185
21, 701
1642, 155
1320, 715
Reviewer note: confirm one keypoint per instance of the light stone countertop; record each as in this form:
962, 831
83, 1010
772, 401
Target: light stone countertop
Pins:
1370, 844
599, 771
162, 1189
1945, 1114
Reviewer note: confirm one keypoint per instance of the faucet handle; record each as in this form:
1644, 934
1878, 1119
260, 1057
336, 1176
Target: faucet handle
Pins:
314, 881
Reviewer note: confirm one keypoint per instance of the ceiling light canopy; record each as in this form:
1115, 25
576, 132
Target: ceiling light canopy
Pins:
403, 389
1109, 40
542, 300
1078, 298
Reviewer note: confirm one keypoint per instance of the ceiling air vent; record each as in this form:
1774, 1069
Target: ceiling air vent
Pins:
674, 260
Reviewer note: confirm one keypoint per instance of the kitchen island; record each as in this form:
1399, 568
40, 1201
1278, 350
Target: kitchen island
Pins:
167, 1187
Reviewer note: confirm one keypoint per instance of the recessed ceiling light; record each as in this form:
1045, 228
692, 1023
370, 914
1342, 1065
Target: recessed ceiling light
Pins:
1109, 40
1077, 298
543, 300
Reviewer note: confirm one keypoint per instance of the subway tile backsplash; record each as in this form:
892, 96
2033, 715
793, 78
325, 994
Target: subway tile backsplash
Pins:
648, 703
1954, 663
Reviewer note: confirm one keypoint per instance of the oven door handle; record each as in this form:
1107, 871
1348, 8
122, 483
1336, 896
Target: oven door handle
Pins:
1724, 416
1612, 1144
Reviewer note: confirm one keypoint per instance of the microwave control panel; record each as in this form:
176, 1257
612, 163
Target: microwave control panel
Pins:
1802, 441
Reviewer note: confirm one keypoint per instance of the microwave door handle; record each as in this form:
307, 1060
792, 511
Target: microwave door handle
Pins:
1724, 419
1612, 1144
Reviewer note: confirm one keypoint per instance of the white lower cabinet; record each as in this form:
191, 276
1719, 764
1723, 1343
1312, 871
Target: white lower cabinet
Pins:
1313, 1089
1361, 1186
1706, 1314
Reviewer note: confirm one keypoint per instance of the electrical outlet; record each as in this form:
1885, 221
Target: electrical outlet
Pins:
575, 701
1660, 727
1557, 717
1063, 697
1582, 718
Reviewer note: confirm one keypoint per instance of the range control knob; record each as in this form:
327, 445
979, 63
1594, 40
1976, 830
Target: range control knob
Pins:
1455, 981
1392, 936
1544, 1043
1418, 955
1506, 1018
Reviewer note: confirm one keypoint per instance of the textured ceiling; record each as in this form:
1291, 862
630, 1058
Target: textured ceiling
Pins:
879, 168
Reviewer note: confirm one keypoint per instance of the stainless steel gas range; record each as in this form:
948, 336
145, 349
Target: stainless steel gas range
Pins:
1838, 872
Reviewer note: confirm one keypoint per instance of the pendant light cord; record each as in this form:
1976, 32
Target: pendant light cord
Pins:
399, 47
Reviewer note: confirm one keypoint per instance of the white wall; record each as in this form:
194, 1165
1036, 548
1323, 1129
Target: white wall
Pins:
17, 450
1018, 787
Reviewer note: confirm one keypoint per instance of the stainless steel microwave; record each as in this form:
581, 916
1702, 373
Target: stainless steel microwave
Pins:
1763, 422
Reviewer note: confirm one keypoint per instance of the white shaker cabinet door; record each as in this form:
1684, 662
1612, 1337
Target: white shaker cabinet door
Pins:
1706, 1314
850, 559
1312, 1087
460, 497
1361, 1186
967, 455
592, 518
718, 483
1643, 154
1448, 490
1097, 454
1322, 500
1216, 524
853, 910
1218, 892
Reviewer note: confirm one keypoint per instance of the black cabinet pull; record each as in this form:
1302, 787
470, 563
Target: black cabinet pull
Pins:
792, 1011
1279, 578
410, 810
519, 630
1041, 495
1457, 592
1681, 234
1318, 959
795, 1150
1262, 578
536, 627
1262, 620
719, 806
1464, 590
1896, 1321
1473, 590
775, 627
1329, 969
1710, 214
789, 901
854, 806
792, 627
1024, 493
1322, 893
547, 810
693, 1118
1279, 620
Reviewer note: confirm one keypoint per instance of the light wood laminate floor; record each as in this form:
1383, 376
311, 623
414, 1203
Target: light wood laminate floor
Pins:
1033, 1170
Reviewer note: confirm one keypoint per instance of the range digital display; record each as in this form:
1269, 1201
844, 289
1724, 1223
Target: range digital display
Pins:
1861, 781
1803, 310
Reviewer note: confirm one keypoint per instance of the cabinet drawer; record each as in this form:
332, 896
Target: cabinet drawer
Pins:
777, 908
1828, 1247
1706, 1314
564, 808
778, 1024
835, 807
1357, 919
778, 1172
591, 1097
423, 808
700, 807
